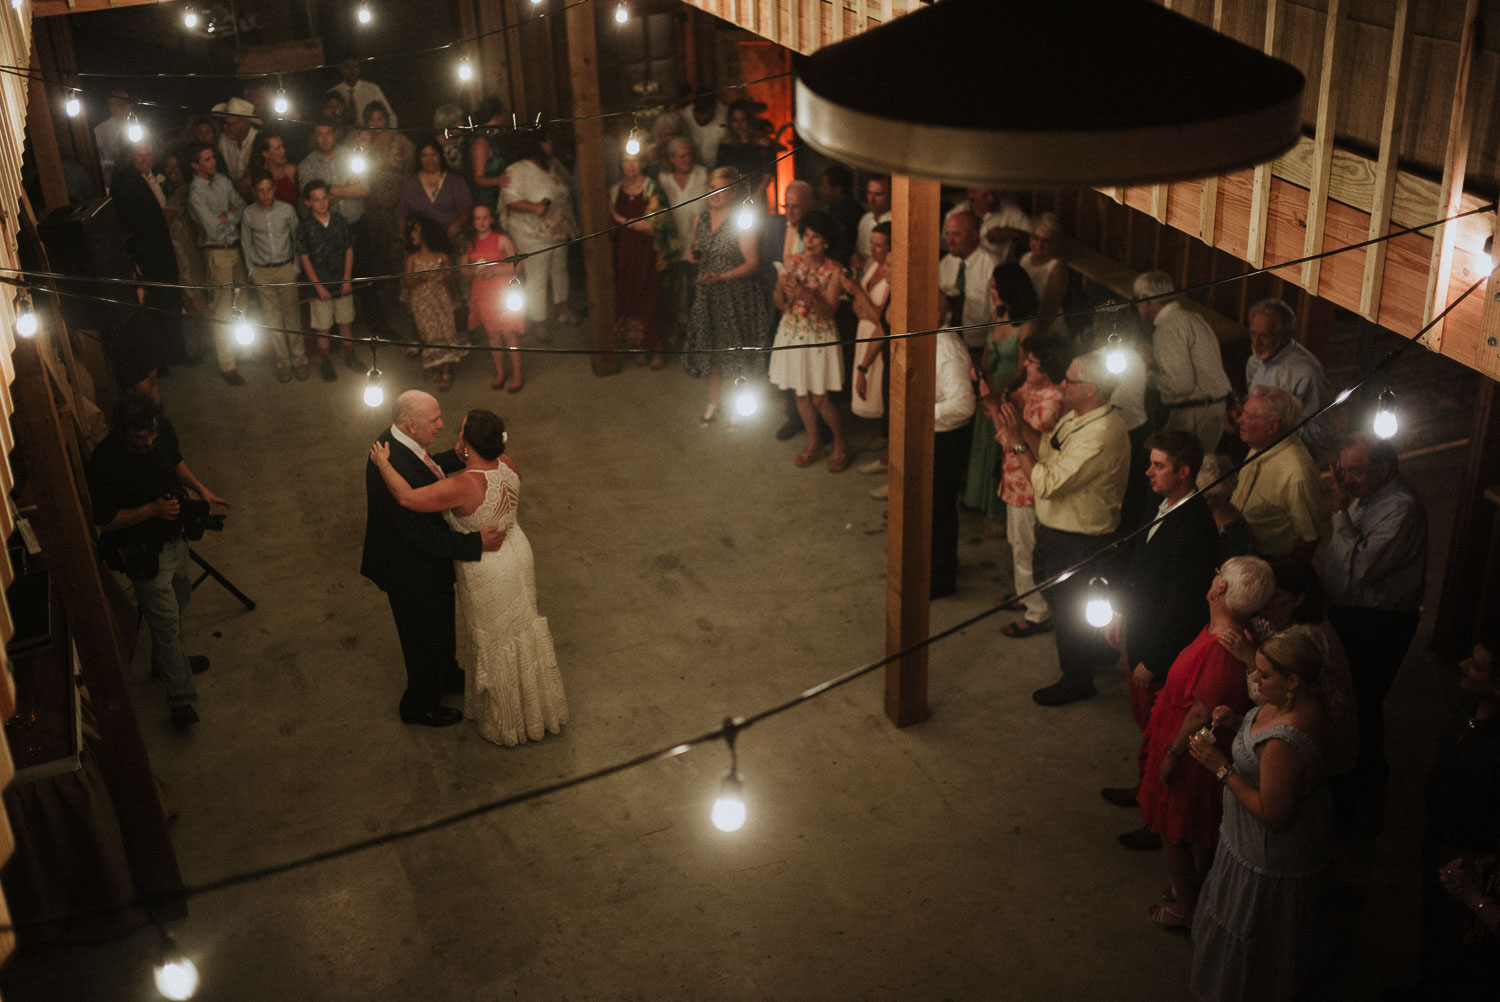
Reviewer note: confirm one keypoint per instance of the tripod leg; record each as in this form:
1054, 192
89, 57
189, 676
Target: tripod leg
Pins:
209, 571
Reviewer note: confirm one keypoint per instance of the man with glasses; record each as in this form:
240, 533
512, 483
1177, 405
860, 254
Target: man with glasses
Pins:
1078, 475
1279, 491
136, 478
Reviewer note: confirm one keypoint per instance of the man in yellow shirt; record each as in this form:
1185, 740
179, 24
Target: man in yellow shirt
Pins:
1078, 474
1279, 492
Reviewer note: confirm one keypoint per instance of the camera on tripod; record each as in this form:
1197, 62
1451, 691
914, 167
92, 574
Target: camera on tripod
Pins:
194, 515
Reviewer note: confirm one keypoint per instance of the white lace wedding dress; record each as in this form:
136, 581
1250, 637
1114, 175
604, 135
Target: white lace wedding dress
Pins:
512, 686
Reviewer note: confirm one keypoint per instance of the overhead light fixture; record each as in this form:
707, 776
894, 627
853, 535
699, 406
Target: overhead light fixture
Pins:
363, 14
190, 18
73, 106
1132, 110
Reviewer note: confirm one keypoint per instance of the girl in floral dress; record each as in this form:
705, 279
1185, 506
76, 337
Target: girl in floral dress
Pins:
428, 292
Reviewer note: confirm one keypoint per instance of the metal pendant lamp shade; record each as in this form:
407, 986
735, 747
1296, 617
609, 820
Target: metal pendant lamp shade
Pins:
1031, 93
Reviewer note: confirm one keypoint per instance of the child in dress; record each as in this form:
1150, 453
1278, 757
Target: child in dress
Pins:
487, 306
429, 291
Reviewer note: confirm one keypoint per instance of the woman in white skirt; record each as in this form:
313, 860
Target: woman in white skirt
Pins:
807, 294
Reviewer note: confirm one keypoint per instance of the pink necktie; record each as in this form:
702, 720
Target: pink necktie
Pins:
434, 467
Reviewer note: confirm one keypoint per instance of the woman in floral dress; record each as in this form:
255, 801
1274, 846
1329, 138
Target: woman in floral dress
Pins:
429, 293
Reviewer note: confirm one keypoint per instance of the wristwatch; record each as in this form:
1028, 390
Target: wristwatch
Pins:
1020, 447
1223, 774
863, 368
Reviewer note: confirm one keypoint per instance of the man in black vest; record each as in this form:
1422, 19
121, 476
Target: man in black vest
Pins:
410, 555
140, 204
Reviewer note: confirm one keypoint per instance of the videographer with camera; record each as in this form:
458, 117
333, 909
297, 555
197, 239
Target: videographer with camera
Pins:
137, 477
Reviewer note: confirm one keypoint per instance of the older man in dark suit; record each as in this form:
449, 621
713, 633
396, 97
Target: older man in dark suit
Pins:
140, 204
410, 555
1164, 574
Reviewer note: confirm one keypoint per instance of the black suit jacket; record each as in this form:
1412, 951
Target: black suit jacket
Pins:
1165, 585
142, 218
406, 549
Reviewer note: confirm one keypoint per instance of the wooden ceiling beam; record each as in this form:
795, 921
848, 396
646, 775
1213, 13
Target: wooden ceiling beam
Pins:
53, 8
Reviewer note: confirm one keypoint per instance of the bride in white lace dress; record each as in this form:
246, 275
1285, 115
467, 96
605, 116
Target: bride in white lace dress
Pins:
512, 686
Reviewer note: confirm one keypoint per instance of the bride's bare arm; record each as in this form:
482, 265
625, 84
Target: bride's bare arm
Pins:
441, 496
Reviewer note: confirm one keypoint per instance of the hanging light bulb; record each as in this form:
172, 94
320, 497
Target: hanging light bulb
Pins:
1385, 424
374, 392
633, 144
134, 131
210, 28
746, 400
357, 160
621, 14
176, 975
26, 323
15, 4
244, 332
363, 14
281, 104
728, 813
1098, 611
745, 217
515, 297
189, 18
73, 105
1114, 358
465, 69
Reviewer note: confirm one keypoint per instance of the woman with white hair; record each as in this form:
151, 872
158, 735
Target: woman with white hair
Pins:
686, 183
1255, 935
1181, 804
1048, 276
1234, 531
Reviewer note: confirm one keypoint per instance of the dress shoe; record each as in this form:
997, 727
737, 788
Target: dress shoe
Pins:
1120, 796
1063, 692
438, 716
327, 371
198, 663
789, 429
283, 373
233, 377
184, 716
1143, 839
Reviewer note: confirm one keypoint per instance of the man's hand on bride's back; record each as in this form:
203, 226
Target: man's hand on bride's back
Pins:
492, 536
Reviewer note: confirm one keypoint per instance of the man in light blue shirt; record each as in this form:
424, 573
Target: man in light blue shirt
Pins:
216, 208
266, 237
1278, 360
1375, 571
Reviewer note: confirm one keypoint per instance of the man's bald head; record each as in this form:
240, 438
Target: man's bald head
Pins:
419, 416
961, 232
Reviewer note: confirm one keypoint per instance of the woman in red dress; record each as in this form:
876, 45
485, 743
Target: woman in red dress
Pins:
489, 247
638, 266
1183, 804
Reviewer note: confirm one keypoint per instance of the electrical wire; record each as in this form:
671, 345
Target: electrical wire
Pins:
731, 725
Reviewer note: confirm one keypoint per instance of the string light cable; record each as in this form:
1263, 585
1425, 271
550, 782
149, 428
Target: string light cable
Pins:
730, 729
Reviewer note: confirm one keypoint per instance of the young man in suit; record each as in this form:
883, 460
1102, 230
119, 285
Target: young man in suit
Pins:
410, 555
1164, 574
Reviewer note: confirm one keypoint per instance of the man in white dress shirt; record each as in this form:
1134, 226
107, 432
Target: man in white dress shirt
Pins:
360, 94
704, 128
964, 280
1189, 366
1003, 227
953, 409
878, 200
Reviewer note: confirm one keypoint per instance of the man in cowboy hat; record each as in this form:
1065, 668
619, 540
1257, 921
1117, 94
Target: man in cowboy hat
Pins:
240, 127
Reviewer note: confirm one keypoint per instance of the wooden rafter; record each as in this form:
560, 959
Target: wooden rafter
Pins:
1317, 195
1260, 198
1383, 198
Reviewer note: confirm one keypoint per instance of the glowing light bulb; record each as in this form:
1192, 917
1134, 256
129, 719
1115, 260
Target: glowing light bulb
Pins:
357, 160
1114, 358
133, 129
210, 28
244, 333
374, 392
621, 14
74, 106
364, 16
746, 400
633, 144
26, 323
745, 217
535, 2
1098, 611
176, 976
190, 18
515, 297
15, 4
1385, 424
728, 814
281, 103
465, 69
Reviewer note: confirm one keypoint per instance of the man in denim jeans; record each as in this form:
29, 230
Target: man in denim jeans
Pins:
136, 478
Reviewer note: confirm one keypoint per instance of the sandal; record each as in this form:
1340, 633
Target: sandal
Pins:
1020, 628
838, 464
515, 387
1010, 604
1169, 894
1168, 918
812, 454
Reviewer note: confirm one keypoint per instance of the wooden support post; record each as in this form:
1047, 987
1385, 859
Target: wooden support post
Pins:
1460, 609
1327, 122
1208, 193
915, 218
1159, 195
1487, 344
1260, 187
44, 141
64, 529
593, 197
1384, 195
1455, 165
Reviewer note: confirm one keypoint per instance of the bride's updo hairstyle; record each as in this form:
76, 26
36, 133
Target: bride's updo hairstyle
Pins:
485, 433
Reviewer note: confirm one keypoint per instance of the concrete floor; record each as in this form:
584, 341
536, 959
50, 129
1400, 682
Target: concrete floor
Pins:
687, 573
